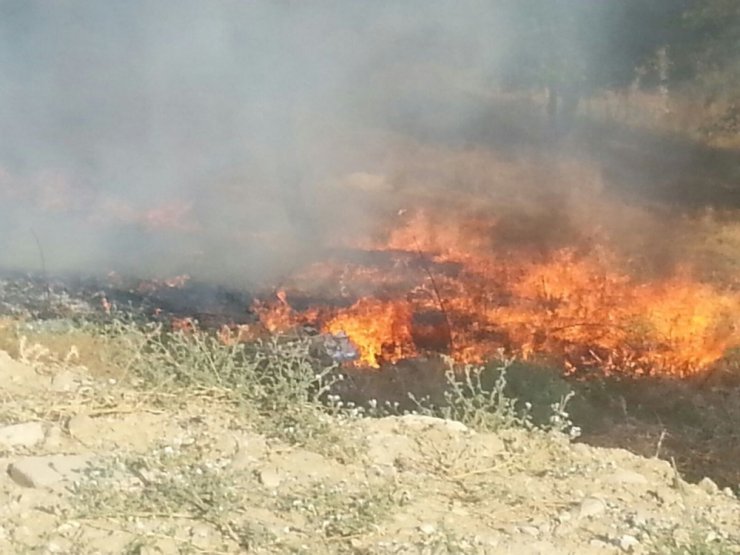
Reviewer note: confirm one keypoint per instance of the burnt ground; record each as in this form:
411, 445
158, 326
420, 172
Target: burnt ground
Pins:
694, 423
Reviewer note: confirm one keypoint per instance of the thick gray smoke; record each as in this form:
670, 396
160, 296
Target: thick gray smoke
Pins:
195, 136
234, 139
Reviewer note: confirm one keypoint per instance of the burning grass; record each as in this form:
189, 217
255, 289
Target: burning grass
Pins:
451, 285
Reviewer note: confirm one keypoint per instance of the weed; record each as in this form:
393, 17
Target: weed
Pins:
169, 484
334, 512
291, 391
478, 397
698, 544
470, 401
446, 542
277, 380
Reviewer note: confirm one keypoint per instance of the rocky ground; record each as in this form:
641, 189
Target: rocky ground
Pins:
95, 465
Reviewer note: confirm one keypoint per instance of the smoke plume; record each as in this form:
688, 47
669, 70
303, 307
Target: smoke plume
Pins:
232, 140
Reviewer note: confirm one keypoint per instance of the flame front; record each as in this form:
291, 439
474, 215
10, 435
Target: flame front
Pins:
381, 330
449, 288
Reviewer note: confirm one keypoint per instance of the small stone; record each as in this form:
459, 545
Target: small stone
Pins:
81, 426
708, 486
530, 530
729, 493
250, 449
628, 543
622, 476
270, 478
581, 449
33, 472
638, 519
427, 528
38, 472
459, 511
681, 537
385, 449
64, 381
56, 547
494, 444
226, 444
564, 529
667, 495
417, 421
53, 438
26, 434
200, 537
564, 516
591, 506
382, 471
489, 539
241, 460
200, 531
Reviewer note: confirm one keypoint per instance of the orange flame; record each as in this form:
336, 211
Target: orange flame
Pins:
576, 306
381, 330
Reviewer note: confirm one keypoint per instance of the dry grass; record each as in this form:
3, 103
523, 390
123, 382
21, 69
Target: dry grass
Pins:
171, 484
82, 345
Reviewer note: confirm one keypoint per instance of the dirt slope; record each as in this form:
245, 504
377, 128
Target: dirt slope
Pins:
94, 467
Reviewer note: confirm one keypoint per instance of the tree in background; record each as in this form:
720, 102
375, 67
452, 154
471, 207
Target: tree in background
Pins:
706, 56
709, 42
575, 48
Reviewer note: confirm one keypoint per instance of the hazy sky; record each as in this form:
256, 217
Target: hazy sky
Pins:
215, 113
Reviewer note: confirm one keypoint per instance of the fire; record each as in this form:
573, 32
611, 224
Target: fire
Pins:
695, 323
452, 288
381, 330
147, 286
278, 317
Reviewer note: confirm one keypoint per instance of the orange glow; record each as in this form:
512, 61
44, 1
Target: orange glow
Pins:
177, 281
381, 330
450, 287
278, 317
184, 325
148, 286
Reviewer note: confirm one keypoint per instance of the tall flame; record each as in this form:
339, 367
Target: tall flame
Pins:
574, 305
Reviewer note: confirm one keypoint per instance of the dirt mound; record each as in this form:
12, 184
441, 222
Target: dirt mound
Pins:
95, 467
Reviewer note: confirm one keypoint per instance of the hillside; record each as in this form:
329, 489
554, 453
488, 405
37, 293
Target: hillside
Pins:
100, 465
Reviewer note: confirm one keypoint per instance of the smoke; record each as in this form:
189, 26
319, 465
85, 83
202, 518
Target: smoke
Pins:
233, 139
193, 136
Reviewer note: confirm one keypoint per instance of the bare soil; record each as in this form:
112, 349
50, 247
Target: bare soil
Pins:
115, 470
